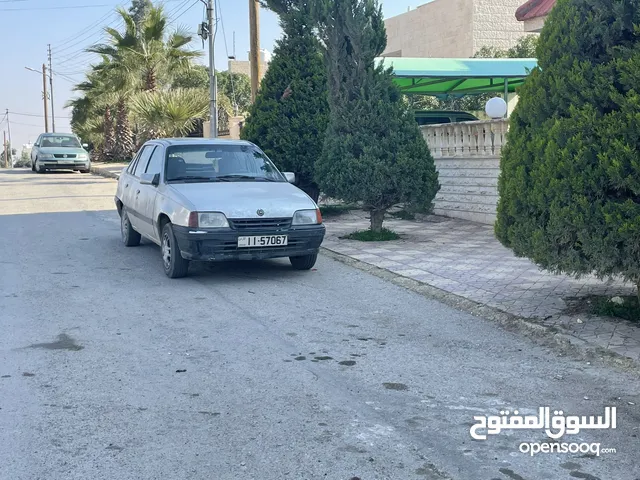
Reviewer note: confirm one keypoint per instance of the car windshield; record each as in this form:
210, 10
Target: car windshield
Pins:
60, 141
219, 163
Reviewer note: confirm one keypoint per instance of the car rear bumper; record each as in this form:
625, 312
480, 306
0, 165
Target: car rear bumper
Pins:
223, 245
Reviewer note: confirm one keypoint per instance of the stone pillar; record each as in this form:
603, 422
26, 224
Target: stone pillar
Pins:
235, 125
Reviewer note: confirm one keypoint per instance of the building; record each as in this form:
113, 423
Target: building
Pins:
453, 28
244, 66
534, 13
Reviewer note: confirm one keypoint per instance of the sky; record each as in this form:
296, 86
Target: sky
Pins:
70, 26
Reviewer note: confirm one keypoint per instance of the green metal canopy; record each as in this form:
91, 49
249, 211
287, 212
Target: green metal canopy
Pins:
458, 76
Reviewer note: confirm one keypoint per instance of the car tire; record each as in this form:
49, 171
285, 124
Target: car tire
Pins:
305, 262
130, 237
85, 170
174, 265
33, 167
39, 169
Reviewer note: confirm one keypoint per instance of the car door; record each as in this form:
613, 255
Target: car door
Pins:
132, 187
146, 196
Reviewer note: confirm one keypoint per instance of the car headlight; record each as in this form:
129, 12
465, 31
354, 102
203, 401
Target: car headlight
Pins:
82, 156
46, 156
307, 217
207, 220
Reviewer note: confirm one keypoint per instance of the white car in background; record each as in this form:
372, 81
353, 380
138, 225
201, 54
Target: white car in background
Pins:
215, 200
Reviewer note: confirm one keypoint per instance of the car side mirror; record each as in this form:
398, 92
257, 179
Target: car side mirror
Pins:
291, 177
150, 179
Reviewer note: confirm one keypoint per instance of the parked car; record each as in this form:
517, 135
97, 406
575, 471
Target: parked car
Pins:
59, 151
215, 200
435, 117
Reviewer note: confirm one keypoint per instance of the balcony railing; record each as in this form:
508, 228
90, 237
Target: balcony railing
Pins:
466, 139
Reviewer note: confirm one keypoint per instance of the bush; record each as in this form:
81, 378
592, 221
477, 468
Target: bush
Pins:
570, 181
374, 152
289, 117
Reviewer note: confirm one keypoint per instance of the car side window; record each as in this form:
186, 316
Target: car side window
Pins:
134, 162
155, 163
143, 160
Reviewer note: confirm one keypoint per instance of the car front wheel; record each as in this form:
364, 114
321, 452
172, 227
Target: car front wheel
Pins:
305, 262
130, 237
174, 265
33, 167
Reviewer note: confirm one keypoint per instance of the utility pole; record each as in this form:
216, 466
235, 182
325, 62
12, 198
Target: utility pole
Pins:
207, 32
44, 94
254, 28
6, 155
53, 118
9, 130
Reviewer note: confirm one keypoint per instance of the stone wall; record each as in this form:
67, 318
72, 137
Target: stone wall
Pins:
495, 24
467, 157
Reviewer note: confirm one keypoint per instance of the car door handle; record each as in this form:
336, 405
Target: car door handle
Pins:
138, 192
126, 185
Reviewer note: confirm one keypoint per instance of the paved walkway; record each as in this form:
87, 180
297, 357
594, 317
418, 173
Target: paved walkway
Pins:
465, 259
111, 170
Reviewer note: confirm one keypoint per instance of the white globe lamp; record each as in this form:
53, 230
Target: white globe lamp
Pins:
496, 108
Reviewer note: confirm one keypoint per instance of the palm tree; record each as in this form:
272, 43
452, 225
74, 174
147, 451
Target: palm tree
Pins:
170, 113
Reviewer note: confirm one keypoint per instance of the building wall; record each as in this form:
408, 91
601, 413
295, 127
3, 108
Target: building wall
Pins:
244, 66
453, 28
442, 28
495, 24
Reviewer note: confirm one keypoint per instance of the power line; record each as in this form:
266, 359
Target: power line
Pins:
185, 11
30, 9
39, 115
75, 37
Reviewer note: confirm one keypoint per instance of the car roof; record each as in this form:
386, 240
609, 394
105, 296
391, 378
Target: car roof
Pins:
58, 134
168, 142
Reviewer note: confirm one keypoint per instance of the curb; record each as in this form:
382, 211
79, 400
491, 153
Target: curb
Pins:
563, 343
104, 173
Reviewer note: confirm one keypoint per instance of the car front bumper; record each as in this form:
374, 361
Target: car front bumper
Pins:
65, 164
222, 245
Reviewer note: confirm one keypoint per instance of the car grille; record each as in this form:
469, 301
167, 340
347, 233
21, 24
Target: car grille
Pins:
259, 224
64, 155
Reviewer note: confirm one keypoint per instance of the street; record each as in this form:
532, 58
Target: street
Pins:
110, 370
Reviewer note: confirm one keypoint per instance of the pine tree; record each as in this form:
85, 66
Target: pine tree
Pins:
570, 172
374, 152
289, 118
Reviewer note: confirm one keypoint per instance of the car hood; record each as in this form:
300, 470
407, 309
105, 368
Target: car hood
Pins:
244, 199
63, 150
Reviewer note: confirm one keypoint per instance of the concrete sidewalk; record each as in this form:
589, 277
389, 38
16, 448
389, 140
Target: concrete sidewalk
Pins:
464, 259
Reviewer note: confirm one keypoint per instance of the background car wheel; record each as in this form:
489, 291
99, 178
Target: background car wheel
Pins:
85, 171
306, 262
33, 167
130, 237
174, 265
39, 169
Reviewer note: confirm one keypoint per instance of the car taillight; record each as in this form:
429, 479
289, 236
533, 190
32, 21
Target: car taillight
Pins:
193, 220
319, 216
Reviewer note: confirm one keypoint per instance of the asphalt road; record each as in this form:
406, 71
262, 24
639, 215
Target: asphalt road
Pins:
110, 370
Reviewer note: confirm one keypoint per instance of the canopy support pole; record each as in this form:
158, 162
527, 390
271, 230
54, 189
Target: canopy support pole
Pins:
506, 96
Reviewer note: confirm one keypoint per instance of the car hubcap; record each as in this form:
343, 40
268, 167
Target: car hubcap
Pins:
166, 251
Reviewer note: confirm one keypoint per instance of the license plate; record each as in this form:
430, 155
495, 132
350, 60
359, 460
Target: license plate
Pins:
262, 241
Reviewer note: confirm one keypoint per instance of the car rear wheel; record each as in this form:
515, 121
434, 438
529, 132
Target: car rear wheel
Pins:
130, 237
305, 262
174, 265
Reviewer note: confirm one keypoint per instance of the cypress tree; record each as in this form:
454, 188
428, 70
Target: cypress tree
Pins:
289, 117
374, 152
570, 173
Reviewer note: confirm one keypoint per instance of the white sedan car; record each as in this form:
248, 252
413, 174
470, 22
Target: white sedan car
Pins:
215, 200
